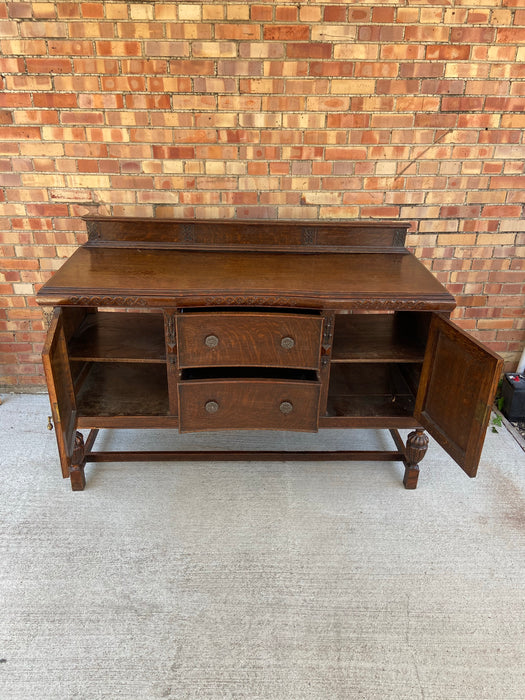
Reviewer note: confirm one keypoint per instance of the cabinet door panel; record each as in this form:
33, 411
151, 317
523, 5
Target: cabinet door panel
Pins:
60, 387
456, 391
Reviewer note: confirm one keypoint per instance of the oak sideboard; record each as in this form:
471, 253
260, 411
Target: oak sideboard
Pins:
248, 325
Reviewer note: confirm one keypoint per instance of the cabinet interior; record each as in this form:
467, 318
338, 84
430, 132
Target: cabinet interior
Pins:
119, 364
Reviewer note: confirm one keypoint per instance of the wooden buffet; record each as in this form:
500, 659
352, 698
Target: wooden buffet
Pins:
226, 325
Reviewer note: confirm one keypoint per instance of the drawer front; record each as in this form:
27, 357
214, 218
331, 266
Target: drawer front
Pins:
246, 339
255, 404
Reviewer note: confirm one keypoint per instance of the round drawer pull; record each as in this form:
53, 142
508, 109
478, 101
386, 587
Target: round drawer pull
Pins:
286, 407
211, 406
211, 341
287, 343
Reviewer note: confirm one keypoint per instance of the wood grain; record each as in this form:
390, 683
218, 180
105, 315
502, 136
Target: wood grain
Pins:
254, 339
248, 404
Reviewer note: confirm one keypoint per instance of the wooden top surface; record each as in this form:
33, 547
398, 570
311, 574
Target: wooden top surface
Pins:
144, 277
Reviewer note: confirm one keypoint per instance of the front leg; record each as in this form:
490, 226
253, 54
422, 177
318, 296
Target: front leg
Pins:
416, 447
76, 468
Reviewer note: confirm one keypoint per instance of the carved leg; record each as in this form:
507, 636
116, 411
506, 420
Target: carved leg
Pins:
76, 470
417, 444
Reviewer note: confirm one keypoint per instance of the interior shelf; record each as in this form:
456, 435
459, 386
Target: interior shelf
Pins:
375, 338
369, 390
124, 389
119, 337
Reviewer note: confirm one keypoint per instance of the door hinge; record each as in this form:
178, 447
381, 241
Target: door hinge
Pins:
56, 413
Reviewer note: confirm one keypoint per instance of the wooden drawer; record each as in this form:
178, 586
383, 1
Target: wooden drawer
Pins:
249, 339
262, 404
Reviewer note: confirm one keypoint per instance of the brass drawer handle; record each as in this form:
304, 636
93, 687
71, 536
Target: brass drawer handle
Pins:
286, 407
211, 406
211, 341
287, 343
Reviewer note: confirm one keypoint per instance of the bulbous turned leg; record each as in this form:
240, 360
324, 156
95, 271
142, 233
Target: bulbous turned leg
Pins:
416, 448
76, 470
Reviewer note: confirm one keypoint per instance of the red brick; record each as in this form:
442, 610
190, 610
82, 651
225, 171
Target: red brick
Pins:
97, 30
20, 10
347, 121
405, 52
428, 33
76, 83
263, 85
331, 68
395, 121
510, 35
158, 84
18, 133
443, 87
82, 118
495, 136
372, 69
95, 65
119, 48
92, 10
29, 47
383, 14
462, 104
454, 212
234, 67
192, 67
345, 153
70, 48
473, 35
502, 104
286, 13
276, 137
15, 100
189, 31
427, 69
12, 65
286, 33
139, 66
238, 32
309, 50
380, 34
101, 101
124, 84
380, 212
358, 14
511, 182
334, 13
447, 53
68, 10
214, 85
261, 13
397, 87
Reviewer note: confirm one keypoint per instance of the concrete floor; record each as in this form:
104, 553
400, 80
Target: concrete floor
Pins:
274, 581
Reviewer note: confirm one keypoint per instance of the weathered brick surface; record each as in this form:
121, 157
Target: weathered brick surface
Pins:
320, 110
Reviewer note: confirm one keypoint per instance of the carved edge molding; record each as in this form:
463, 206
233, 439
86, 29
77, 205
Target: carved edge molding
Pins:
234, 300
188, 233
47, 315
171, 337
399, 238
387, 304
309, 235
108, 301
250, 301
93, 230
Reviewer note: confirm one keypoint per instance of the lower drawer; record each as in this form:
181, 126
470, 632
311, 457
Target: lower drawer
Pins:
254, 404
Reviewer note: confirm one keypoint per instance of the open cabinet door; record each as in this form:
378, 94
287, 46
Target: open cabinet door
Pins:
60, 387
456, 391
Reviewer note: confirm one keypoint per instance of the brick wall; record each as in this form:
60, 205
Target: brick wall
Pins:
309, 110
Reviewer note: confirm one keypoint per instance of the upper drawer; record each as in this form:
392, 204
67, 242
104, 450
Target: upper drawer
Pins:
249, 339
